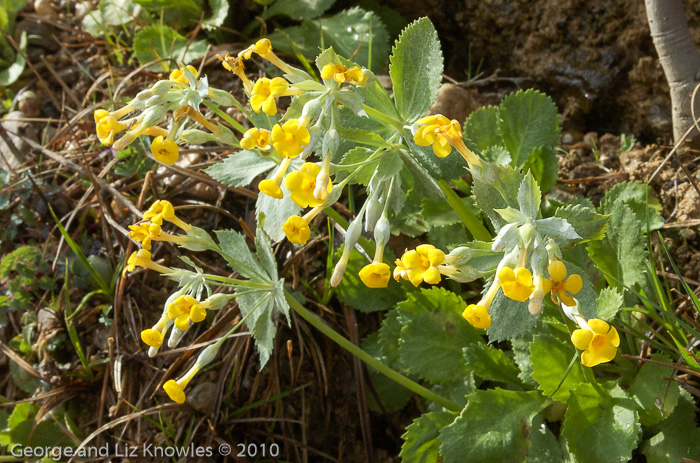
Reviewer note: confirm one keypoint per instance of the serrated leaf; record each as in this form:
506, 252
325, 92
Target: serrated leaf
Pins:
388, 340
160, 42
298, 9
416, 69
678, 438
348, 32
423, 183
529, 197
410, 221
392, 395
521, 356
544, 165
481, 129
276, 212
265, 255
609, 302
448, 168
491, 363
637, 196
550, 359
559, 230
545, 447
493, 427
528, 119
363, 174
511, 215
655, 396
586, 221
258, 307
440, 214
239, 169
390, 164
509, 319
354, 293
434, 334
620, 255
496, 187
238, 254
601, 427
421, 444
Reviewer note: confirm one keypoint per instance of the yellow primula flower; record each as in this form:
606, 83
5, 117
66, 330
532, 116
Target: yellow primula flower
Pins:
290, 139
598, 340
297, 230
164, 150
271, 186
265, 91
517, 284
561, 285
186, 309
178, 75
163, 210
236, 66
144, 233
478, 314
420, 265
375, 275
142, 258
176, 389
443, 134
256, 139
107, 127
302, 183
342, 74
152, 338
263, 47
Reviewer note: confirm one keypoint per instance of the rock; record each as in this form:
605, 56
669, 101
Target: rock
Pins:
199, 190
454, 102
18, 130
27, 103
202, 397
45, 9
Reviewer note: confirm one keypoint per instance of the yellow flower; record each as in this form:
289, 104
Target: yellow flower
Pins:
266, 90
271, 186
142, 258
178, 75
341, 74
107, 127
236, 66
478, 316
100, 114
598, 340
261, 47
289, 139
375, 275
163, 210
152, 338
186, 309
297, 230
420, 265
443, 134
256, 139
561, 285
176, 389
164, 150
302, 183
517, 284
144, 233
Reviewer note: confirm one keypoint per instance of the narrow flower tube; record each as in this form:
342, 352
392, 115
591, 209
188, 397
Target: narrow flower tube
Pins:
478, 314
352, 235
176, 389
163, 210
443, 134
236, 66
142, 258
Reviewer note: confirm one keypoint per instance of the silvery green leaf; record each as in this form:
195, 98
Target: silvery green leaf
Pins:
529, 197
558, 229
309, 86
202, 86
352, 100
265, 254
238, 255
222, 97
199, 240
423, 182
196, 137
239, 169
511, 215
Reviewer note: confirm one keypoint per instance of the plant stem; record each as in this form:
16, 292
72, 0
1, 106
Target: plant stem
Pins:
368, 359
471, 221
366, 244
224, 116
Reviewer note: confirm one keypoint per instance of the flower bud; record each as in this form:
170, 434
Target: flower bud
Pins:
382, 231
217, 301
539, 260
175, 335
374, 211
311, 110
340, 267
222, 97
527, 232
505, 238
536, 300
208, 354
161, 86
331, 140
144, 94
553, 251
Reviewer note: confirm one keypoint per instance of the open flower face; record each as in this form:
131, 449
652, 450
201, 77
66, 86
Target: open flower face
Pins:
420, 265
165, 151
290, 139
478, 316
517, 284
375, 275
302, 183
561, 285
598, 341
297, 230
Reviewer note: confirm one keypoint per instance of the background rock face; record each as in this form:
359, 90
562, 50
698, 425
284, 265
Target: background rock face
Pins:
596, 59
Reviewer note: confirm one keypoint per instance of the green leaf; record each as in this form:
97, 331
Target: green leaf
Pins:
390, 164
423, 183
363, 173
512, 215
601, 427
258, 307
348, 32
588, 224
362, 137
481, 129
496, 187
440, 213
276, 212
392, 395
544, 165
416, 69
559, 230
10, 74
181, 11
637, 196
655, 396
622, 252
522, 357
550, 361
528, 119
491, 363
449, 168
530, 197
239, 169
354, 293
544, 447
493, 427
410, 221
678, 438
298, 9
609, 302
509, 319
219, 12
117, 12
389, 334
421, 444
160, 41
434, 334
